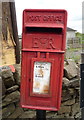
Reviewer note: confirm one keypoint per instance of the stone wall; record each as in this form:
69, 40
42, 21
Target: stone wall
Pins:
11, 94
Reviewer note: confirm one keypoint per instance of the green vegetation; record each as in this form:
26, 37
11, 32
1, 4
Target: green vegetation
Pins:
73, 49
81, 36
73, 53
76, 58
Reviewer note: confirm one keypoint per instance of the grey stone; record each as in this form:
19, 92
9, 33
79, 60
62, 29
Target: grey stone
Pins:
28, 114
66, 95
0, 107
7, 77
51, 114
7, 73
70, 70
74, 82
3, 97
5, 113
59, 116
77, 88
65, 63
75, 108
8, 110
72, 91
66, 82
68, 102
66, 115
3, 88
71, 118
9, 82
16, 77
0, 114
18, 111
64, 109
12, 89
78, 91
11, 98
78, 115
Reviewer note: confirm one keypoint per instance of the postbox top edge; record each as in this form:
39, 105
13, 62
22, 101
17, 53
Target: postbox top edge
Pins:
46, 10
43, 25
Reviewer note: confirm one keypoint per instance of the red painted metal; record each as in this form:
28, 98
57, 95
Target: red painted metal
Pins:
12, 68
43, 40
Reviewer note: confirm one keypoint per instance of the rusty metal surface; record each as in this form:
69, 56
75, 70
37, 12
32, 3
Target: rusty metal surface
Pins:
41, 77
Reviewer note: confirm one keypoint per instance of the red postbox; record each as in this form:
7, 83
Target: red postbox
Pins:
43, 47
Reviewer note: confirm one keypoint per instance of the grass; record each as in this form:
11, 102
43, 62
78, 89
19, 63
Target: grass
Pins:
76, 58
73, 49
74, 54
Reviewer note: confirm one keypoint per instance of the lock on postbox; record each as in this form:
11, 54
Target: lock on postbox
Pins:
43, 47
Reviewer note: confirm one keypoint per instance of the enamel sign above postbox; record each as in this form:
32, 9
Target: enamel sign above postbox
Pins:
43, 47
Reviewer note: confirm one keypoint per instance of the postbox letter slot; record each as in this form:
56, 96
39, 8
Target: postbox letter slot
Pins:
58, 30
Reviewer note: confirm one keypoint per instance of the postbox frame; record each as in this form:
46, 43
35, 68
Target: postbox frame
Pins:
51, 74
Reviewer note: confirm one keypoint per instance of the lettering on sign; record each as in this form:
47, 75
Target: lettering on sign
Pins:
52, 18
43, 42
34, 18
45, 18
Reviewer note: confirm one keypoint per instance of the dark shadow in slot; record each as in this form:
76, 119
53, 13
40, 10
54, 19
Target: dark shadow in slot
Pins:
43, 30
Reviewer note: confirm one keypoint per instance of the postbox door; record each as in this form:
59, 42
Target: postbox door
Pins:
51, 94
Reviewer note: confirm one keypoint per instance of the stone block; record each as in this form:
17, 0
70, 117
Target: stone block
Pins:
7, 77
28, 114
72, 91
74, 82
78, 115
66, 82
75, 108
12, 89
65, 109
7, 73
51, 114
11, 98
58, 117
68, 102
66, 95
70, 70
3, 88
16, 77
18, 111
8, 110
0, 114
